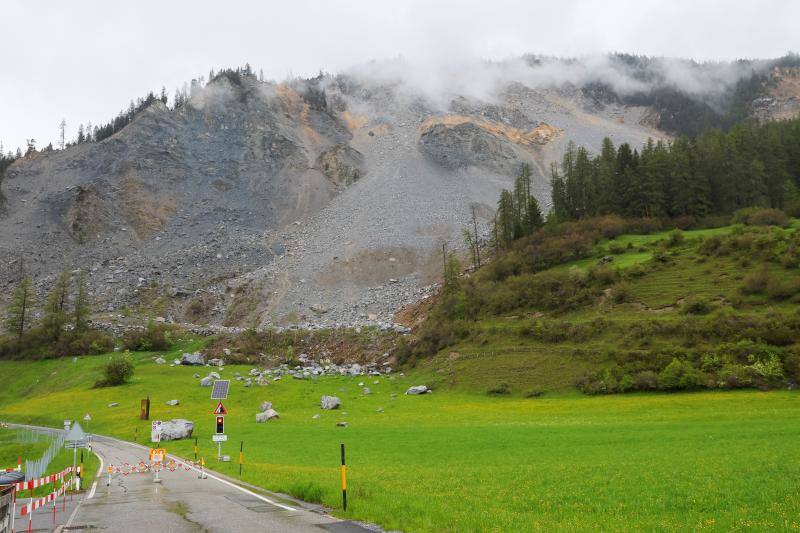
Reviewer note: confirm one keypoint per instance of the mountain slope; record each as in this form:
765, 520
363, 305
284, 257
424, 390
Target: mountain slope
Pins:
325, 200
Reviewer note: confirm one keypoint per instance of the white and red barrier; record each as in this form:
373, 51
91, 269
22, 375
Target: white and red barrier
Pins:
42, 481
44, 500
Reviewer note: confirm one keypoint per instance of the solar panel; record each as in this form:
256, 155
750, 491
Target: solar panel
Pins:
220, 389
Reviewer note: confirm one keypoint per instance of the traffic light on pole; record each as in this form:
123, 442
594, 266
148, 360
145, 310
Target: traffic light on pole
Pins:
220, 425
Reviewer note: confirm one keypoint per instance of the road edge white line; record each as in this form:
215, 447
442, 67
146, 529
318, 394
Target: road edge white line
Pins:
96, 477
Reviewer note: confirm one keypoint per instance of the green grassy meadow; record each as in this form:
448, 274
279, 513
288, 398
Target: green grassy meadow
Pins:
459, 461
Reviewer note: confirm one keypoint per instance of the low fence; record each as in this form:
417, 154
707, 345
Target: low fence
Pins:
37, 468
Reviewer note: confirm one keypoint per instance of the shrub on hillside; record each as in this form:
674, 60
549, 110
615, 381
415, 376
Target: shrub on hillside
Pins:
676, 238
761, 216
756, 281
782, 289
155, 337
116, 372
696, 306
647, 380
680, 375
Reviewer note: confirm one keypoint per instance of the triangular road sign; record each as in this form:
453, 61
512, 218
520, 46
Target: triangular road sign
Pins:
220, 410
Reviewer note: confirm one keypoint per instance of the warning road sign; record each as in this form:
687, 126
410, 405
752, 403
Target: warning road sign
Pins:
220, 410
157, 454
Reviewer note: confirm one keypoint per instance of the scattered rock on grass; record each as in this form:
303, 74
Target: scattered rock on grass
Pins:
177, 428
160, 360
113, 404
206, 381
418, 389
341, 424
269, 414
192, 359
330, 402
173, 402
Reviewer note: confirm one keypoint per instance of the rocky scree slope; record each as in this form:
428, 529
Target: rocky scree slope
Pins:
324, 201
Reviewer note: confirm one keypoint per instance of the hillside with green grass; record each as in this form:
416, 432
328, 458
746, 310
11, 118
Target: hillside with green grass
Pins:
719, 461
591, 305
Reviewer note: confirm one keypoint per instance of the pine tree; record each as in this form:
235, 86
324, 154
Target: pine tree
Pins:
19, 310
55, 312
80, 309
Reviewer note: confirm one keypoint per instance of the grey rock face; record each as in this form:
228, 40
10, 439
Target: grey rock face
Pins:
330, 402
177, 428
341, 164
417, 389
468, 144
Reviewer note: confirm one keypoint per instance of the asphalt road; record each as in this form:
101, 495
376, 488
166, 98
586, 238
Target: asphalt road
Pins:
181, 502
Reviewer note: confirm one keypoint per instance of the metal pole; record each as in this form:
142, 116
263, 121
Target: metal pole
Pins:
219, 451
344, 482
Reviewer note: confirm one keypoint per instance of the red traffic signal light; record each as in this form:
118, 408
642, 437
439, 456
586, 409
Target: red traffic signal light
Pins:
220, 425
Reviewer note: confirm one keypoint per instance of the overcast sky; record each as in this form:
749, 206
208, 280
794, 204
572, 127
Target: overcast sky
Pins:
85, 60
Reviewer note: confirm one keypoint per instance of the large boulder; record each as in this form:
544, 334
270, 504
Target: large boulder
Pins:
330, 402
192, 359
418, 389
269, 414
177, 428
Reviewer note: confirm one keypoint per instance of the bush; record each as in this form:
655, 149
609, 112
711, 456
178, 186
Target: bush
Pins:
501, 389
782, 289
676, 238
755, 216
646, 380
756, 281
155, 337
680, 375
116, 372
622, 293
696, 306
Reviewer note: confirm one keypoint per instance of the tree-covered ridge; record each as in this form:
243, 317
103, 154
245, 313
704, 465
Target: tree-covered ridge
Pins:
713, 174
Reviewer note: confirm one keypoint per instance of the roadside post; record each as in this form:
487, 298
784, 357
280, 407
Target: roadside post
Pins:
219, 428
157, 456
195, 449
241, 452
344, 482
219, 391
155, 431
110, 469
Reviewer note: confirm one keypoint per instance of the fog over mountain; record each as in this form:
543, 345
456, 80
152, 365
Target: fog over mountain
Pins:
84, 61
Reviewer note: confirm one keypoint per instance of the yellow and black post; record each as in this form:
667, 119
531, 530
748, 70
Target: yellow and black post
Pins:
241, 450
195, 449
344, 482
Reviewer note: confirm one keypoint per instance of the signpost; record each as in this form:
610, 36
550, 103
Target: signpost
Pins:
88, 419
75, 438
155, 431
